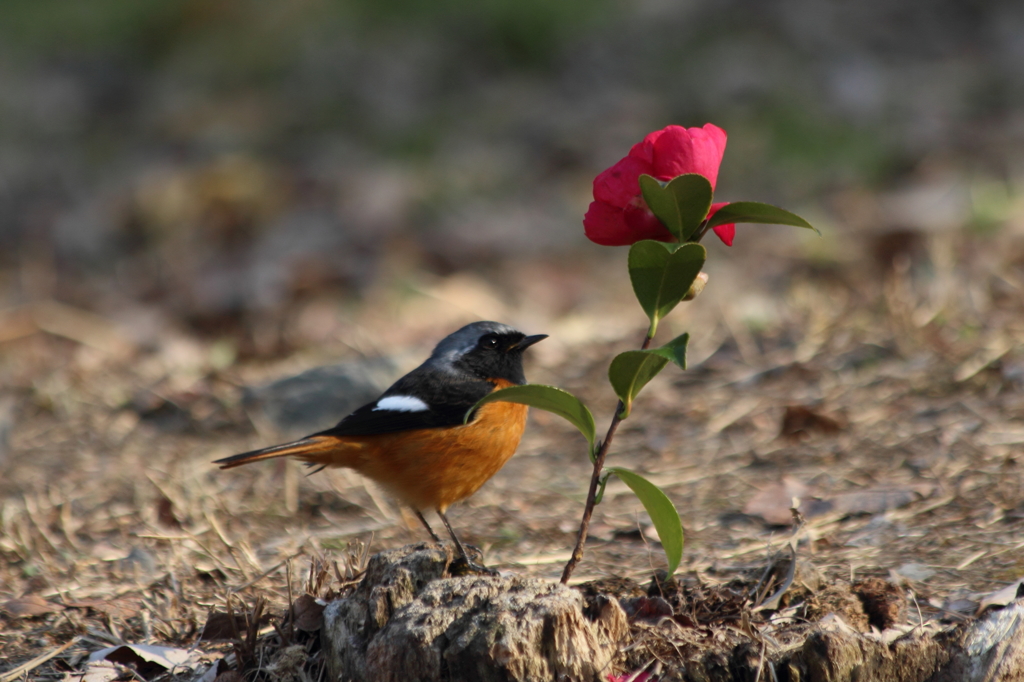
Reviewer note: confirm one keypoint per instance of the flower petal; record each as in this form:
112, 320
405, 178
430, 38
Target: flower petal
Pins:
643, 151
620, 184
643, 224
725, 232
606, 225
689, 150
618, 216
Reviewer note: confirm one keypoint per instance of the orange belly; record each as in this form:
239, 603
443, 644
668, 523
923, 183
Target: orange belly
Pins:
432, 468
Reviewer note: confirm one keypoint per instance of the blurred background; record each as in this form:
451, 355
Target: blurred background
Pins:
200, 197
242, 170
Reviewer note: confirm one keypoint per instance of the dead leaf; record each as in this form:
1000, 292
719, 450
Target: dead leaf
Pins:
29, 606
647, 609
773, 502
1003, 597
878, 500
146, 659
218, 670
772, 602
99, 671
308, 613
165, 513
122, 608
800, 421
218, 625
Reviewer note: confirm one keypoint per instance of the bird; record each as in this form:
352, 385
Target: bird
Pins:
414, 440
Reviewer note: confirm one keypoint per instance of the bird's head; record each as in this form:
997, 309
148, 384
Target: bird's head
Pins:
487, 350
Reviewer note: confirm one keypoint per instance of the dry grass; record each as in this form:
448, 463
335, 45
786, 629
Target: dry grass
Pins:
115, 528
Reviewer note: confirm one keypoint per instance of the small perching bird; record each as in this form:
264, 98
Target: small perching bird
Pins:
413, 439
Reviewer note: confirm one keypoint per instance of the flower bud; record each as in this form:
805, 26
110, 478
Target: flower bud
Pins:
696, 287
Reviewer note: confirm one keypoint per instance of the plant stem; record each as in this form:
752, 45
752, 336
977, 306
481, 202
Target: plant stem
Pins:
701, 231
595, 479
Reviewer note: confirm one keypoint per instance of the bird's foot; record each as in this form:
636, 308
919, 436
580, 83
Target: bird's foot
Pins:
465, 566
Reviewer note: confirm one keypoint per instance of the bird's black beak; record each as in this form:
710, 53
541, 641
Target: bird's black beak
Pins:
529, 341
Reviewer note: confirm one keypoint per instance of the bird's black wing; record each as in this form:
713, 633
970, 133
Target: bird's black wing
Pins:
447, 396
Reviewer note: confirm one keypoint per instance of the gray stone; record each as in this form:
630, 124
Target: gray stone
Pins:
318, 398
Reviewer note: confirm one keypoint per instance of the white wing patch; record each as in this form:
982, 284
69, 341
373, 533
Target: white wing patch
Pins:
401, 403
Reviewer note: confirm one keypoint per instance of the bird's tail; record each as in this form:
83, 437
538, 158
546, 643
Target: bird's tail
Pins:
325, 450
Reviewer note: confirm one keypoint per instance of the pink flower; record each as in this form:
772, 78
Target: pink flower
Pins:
618, 215
725, 232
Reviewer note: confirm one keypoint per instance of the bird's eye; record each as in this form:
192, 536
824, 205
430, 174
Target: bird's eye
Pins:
490, 341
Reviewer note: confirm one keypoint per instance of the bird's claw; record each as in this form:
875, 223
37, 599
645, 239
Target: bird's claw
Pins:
464, 566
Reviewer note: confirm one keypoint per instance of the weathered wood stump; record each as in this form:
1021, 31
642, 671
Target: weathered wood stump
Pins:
987, 650
406, 621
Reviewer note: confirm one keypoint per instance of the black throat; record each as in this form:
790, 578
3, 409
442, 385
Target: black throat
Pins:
502, 361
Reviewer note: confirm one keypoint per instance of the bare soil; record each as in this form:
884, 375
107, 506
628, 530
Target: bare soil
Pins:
885, 393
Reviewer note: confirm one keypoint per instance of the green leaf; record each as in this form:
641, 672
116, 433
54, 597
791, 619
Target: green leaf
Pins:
601, 483
681, 204
634, 369
756, 212
630, 372
674, 350
662, 204
662, 512
549, 398
662, 276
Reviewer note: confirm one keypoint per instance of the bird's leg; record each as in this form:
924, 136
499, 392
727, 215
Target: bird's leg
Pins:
426, 525
464, 564
458, 543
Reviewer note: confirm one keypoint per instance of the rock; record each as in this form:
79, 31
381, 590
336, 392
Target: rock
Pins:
406, 622
318, 398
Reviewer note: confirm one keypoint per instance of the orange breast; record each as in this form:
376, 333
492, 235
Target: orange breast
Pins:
432, 468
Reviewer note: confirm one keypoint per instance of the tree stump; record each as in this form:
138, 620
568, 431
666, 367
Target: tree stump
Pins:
407, 622
990, 649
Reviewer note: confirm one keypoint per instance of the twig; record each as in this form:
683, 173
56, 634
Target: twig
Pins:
920, 618
595, 480
232, 552
291, 601
29, 666
760, 664
640, 671
267, 572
